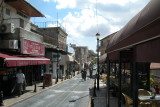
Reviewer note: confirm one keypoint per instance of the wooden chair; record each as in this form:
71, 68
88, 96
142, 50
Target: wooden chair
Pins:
128, 100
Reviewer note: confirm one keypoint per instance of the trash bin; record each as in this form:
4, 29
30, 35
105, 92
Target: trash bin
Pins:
47, 80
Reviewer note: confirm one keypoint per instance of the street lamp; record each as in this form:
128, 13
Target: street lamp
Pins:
98, 35
57, 63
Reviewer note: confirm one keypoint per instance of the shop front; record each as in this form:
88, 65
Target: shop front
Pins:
31, 67
30, 59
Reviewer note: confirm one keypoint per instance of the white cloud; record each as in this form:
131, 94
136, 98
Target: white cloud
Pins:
62, 4
81, 23
84, 24
112, 16
65, 4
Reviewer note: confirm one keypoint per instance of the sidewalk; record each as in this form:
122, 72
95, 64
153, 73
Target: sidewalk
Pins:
100, 99
30, 92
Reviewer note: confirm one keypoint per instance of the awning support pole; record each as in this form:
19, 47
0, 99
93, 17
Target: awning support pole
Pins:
108, 83
135, 85
147, 69
35, 85
119, 82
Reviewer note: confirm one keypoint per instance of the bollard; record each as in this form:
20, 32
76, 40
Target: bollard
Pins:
95, 83
92, 102
35, 87
94, 89
43, 84
1, 99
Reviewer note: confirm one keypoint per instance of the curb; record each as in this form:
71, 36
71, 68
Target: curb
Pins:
89, 103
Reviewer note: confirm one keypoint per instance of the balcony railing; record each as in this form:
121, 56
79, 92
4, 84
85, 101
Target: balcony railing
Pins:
49, 24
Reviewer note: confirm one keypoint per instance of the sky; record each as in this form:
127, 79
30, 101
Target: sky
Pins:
83, 19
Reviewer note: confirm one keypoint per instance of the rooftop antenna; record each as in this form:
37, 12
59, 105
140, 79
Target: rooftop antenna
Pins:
57, 19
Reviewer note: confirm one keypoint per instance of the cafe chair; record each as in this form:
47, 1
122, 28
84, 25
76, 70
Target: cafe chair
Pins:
128, 100
144, 92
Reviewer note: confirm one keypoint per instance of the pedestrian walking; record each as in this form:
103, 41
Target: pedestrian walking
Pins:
90, 72
20, 81
84, 74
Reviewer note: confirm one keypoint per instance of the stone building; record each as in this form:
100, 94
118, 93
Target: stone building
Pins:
81, 54
55, 46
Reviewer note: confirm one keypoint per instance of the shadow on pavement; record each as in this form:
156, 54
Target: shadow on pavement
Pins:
78, 99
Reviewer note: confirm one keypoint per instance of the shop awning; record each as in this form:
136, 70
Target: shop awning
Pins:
102, 58
141, 28
25, 7
12, 61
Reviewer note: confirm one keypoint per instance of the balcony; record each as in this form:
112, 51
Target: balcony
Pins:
21, 33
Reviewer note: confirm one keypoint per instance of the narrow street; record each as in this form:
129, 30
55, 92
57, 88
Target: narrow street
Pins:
72, 93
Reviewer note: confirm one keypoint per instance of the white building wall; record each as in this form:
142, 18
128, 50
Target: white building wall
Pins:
13, 17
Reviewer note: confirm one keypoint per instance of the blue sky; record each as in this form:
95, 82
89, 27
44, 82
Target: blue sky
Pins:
84, 18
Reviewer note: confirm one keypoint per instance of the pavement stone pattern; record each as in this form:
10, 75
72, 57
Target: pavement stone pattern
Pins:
30, 92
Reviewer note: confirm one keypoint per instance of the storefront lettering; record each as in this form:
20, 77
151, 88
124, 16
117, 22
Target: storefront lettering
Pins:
31, 47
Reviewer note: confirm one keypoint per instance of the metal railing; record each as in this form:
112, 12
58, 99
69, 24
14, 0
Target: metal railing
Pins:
49, 24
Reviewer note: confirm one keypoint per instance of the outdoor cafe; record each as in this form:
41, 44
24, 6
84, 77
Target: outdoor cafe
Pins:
130, 52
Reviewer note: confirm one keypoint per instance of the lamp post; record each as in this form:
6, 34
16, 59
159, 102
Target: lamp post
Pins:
57, 63
98, 35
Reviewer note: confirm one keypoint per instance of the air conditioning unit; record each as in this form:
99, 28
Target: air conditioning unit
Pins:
9, 44
13, 44
7, 28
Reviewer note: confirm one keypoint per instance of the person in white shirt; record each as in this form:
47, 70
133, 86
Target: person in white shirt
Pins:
20, 81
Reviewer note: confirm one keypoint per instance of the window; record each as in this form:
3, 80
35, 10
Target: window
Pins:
22, 23
8, 12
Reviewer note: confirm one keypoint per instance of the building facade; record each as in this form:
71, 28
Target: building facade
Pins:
104, 42
81, 55
20, 47
55, 45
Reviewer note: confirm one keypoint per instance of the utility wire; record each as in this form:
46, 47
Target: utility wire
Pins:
97, 17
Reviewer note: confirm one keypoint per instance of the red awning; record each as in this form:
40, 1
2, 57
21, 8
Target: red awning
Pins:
12, 61
141, 28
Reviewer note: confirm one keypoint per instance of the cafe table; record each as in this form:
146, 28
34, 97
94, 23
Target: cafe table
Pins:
148, 98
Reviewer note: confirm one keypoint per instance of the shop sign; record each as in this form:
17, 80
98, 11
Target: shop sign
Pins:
31, 47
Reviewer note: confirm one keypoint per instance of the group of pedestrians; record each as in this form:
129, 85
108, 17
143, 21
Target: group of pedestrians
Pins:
84, 72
